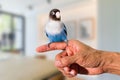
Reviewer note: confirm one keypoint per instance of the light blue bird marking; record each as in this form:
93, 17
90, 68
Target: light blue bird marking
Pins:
59, 37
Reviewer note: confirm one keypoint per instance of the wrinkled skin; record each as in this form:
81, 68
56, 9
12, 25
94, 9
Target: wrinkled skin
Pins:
76, 58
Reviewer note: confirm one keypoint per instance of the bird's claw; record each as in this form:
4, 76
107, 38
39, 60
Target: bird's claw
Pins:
49, 45
66, 43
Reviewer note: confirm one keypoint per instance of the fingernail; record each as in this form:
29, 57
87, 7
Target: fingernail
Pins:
58, 63
72, 72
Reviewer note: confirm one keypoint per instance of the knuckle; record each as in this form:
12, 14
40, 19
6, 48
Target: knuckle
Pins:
65, 61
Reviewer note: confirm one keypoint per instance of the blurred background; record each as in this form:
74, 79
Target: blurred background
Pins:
22, 22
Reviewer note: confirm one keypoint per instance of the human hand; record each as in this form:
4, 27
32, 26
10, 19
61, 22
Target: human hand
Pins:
76, 58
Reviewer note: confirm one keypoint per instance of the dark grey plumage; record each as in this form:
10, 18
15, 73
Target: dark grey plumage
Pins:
52, 14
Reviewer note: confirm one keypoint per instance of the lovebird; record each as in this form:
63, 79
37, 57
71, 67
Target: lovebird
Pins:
55, 29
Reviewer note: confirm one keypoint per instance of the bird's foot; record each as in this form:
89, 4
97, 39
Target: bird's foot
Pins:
66, 42
49, 45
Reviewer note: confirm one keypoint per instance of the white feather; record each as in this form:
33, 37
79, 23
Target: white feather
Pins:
54, 27
57, 14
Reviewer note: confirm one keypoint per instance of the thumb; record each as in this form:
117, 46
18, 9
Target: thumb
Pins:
65, 61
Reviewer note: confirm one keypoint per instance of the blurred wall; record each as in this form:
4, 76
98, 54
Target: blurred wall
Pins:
31, 34
109, 25
108, 30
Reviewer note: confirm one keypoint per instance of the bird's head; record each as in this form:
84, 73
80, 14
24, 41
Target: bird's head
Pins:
55, 14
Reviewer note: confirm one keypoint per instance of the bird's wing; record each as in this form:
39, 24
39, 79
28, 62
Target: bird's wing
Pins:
46, 34
65, 29
45, 29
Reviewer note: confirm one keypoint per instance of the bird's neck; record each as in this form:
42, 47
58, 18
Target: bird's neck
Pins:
51, 19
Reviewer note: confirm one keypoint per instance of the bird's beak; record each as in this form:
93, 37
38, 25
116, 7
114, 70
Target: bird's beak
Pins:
57, 14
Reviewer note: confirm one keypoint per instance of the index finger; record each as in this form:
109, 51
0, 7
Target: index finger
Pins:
52, 46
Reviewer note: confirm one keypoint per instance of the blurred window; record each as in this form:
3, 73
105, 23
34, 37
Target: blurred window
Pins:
11, 32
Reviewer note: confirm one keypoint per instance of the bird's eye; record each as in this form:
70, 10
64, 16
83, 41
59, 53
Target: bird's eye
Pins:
53, 13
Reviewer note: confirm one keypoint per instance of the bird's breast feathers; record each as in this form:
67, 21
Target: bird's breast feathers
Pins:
54, 27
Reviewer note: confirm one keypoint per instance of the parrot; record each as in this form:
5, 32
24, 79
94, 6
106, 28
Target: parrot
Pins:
55, 29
